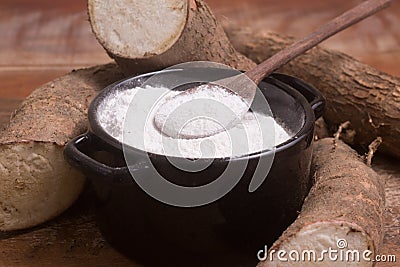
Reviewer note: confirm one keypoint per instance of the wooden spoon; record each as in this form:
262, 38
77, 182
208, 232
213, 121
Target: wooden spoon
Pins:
173, 125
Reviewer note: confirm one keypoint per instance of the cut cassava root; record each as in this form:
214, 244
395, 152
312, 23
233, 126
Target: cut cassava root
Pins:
346, 203
36, 183
355, 92
145, 35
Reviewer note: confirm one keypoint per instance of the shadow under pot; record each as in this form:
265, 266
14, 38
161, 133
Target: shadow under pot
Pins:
264, 198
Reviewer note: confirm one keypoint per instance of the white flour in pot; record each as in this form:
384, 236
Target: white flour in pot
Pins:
254, 133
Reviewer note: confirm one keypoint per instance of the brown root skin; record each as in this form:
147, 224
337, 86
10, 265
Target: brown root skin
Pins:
355, 92
57, 111
36, 183
345, 202
202, 39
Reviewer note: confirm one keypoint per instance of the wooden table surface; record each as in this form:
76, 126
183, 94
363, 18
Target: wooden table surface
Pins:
42, 39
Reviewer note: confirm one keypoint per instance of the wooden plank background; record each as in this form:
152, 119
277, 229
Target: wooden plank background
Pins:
42, 39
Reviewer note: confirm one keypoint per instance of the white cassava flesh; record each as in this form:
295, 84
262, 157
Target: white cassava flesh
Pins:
36, 184
138, 28
310, 247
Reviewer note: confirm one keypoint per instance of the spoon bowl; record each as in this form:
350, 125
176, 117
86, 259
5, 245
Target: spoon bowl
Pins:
201, 111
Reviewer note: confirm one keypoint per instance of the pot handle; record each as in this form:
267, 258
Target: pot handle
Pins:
314, 97
75, 153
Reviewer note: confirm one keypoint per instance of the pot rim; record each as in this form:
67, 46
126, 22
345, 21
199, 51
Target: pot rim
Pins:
309, 119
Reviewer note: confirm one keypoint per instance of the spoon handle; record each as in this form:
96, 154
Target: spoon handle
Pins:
354, 15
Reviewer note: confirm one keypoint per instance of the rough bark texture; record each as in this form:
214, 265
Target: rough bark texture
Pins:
36, 183
389, 171
345, 202
355, 92
57, 111
202, 39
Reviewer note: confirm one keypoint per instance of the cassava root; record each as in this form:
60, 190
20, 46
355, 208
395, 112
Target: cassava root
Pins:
36, 183
346, 202
366, 97
144, 35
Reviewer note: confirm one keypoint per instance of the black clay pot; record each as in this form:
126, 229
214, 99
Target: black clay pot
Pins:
154, 232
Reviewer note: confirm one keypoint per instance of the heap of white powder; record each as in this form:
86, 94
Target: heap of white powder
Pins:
207, 110
128, 116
